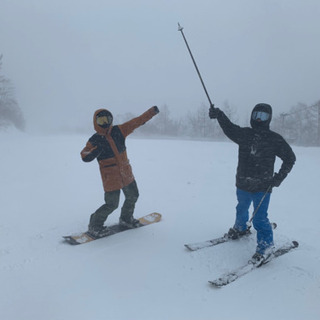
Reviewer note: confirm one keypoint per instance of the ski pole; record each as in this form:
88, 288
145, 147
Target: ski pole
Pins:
249, 223
194, 62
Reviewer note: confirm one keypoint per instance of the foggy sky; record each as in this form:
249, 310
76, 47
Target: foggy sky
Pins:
67, 58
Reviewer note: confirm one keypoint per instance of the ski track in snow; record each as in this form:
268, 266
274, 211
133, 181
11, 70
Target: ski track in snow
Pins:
48, 192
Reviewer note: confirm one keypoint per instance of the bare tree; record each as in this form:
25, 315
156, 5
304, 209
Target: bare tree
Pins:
200, 125
163, 124
230, 112
10, 113
300, 125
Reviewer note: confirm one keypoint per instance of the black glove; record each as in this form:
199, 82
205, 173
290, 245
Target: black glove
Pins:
214, 112
276, 180
156, 109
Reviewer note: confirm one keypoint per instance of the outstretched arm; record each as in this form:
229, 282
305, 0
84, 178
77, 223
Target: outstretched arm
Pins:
129, 126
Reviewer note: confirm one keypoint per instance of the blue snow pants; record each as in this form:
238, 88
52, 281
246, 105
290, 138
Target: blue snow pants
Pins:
260, 221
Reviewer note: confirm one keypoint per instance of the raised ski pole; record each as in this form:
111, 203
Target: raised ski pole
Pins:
249, 223
194, 62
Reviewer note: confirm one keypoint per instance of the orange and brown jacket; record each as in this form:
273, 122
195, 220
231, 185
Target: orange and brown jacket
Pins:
107, 145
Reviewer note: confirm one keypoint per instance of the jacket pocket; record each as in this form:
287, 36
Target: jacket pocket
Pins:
109, 165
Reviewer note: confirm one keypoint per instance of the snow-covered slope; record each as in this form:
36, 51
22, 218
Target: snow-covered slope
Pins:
147, 274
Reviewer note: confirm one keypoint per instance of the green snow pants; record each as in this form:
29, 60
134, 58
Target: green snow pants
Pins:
111, 199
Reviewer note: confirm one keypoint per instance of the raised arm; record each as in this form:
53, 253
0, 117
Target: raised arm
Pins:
129, 126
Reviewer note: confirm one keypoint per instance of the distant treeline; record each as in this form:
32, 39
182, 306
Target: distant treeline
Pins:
300, 125
10, 112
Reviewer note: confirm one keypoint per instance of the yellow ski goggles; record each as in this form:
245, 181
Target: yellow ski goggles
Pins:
102, 120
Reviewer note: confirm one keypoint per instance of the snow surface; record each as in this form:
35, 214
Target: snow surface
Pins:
147, 274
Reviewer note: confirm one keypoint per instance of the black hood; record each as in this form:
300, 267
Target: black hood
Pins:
261, 124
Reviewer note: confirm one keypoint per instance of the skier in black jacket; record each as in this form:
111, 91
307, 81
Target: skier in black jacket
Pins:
258, 149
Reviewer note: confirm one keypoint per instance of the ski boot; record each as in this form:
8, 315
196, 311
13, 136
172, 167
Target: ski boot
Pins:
259, 259
236, 234
130, 223
98, 232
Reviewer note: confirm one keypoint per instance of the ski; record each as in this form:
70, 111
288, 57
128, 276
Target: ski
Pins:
208, 243
243, 270
213, 242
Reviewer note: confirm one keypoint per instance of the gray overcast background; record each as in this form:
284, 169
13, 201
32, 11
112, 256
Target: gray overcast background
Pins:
67, 58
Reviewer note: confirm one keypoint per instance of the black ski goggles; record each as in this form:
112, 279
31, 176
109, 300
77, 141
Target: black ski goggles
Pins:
262, 115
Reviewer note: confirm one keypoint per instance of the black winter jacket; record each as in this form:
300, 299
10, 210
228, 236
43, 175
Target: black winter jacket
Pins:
258, 149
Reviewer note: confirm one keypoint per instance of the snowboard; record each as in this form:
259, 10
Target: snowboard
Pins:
86, 237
